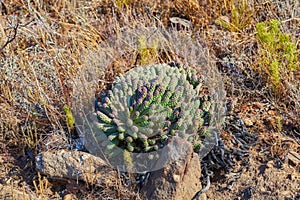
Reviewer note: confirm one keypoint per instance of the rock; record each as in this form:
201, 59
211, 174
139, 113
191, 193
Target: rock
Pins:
257, 105
248, 122
71, 164
178, 180
69, 197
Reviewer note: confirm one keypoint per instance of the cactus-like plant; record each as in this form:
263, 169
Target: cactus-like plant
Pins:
150, 104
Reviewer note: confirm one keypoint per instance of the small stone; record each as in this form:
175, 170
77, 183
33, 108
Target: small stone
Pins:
69, 197
272, 112
176, 178
258, 105
248, 122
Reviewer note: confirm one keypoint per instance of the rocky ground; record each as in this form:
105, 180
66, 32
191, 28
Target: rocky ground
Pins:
44, 45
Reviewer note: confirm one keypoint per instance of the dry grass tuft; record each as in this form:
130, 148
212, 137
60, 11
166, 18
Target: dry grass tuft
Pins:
50, 49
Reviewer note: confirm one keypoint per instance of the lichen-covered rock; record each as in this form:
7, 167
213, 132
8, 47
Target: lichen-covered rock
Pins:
149, 105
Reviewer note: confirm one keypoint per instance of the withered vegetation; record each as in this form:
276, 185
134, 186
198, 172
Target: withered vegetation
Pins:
45, 44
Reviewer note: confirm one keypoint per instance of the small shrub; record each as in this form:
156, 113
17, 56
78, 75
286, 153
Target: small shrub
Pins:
240, 15
147, 53
278, 55
70, 120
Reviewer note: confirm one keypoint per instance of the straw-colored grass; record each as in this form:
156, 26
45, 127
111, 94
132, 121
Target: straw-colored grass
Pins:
47, 46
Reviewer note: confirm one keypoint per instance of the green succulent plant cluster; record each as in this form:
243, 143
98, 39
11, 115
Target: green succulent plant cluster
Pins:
150, 104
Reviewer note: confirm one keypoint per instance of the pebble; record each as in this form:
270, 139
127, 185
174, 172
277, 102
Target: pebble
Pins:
69, 197
248, 122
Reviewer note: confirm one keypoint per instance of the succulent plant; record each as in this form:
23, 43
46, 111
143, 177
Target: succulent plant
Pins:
150, 104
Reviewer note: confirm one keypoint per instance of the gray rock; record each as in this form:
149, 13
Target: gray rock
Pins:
70, 164
178, 180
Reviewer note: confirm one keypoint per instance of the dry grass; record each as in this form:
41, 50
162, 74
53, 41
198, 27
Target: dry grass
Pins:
47, 48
